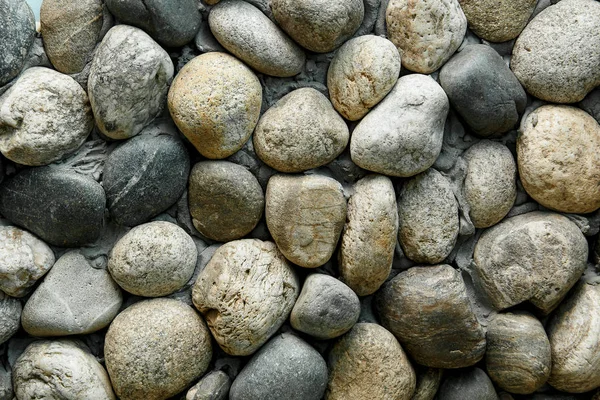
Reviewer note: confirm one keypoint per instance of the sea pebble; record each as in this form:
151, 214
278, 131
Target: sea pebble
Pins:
17, 30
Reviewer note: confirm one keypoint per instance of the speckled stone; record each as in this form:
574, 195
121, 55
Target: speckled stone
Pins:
17, 30
10, 318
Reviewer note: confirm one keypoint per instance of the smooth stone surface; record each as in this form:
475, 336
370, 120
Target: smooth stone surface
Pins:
10, 318
128, 82
305, 215
428, 383
402, 135
467, 384
17, 30
300, 132
215, 101
44, 117
497, 21
213, 386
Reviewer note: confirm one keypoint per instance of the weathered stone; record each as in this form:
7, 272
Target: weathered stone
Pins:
10, 319
17, 30
428, 383
497, 21
467, 384
213, 386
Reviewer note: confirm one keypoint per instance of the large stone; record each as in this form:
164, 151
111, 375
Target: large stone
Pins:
467, 384
17, 30
10, 318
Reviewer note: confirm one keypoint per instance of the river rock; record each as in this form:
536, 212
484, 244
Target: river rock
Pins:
128, 82
428, 310
246, 292
17, 30
215, 101
402, 135
428, 383
213, 386
10, 317
44, 116
467, 384
497, 21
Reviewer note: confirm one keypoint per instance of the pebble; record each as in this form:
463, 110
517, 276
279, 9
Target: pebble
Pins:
44, 117
467, 384
428, 383
305, 215
10, 319
17, 30
213, 386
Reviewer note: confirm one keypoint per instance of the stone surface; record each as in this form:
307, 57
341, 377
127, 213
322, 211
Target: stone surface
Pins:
226, 201
44, 117
591, 104
17, 30
426, 32
369, 363
213, 386
286, 367
556, 56
10, 318
428, 383
215, 101
245, 292
301, 131
155, 349
428, 310
128, 82
402, 135
467, 384
559, 164
305, 215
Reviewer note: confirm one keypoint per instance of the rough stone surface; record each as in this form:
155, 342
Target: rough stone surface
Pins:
402, 135
10, 318
17, 30
467, 384
497, 21
213, 386
428, 383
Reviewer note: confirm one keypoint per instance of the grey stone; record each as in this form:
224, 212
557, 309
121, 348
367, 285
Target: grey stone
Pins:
467, 384
17, 30
213, 386
428, 383
10, 319
591, 104
206, 42
370, 18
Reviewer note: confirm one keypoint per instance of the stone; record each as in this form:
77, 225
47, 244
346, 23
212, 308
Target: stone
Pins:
428, 310
213, 386
591, 104
535, 257
226, 200
428, 383
252, 37
145, 176
153, 259
128, 82
426, 32
479, 72
44, 117
556, 56
369, 363
467, 384
320, 26
559, 164
518, 355
305, 215
17, 30
361, 74
301, 131
23, 260
10, 318
286, 367
63, 208
60, 369
6, 385
370, 234
428, 215
246, 292
215, 101
155, 349
403, 135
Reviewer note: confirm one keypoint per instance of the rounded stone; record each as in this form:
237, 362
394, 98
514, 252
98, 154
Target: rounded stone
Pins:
10, 316
153, 259
402, 136
370, 234
559, 164
213, 386
301, 131
252, 37
17, 30
215, 101
155, 349
128, 82
467, 384
286, 367
428, 383
361, 74
426, 32
246, 292
369, 363
60, 369
226, 201
319, 25
44, 117
556, 56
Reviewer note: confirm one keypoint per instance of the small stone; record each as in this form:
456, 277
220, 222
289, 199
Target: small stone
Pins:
226, 200
128, 82
155, 349
213, 386
428, 383
305, 215
44, 117
591, 104
17, 30
467, 384
215, 101
10, 319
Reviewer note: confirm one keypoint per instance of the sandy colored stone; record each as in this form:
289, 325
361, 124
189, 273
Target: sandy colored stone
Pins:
497, 21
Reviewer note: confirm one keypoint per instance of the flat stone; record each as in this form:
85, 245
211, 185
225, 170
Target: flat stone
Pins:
213, 386
467, 384
17, 30
10, 318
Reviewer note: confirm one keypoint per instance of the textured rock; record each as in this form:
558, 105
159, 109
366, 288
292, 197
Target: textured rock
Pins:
369, 239
467, 384
428, 383
426, 32
246, 292
556, 56
305, 215
559, 164
591, 104
213, 386
403, 135
226, 201
215, 101
10, 318
369, 363
428, 310
17, 29
497, 21
535, 257
285, 368
44, 116
128, 82
301, 131
155, 349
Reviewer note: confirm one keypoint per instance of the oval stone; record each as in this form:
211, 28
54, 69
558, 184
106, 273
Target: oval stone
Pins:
17, 30
472, 383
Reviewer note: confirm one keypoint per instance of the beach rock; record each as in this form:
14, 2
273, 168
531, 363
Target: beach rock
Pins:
497, 21
213, 386
17, 30
467, 384
428, 383
10, 318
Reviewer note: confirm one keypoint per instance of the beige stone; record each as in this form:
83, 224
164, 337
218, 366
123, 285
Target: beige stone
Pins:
497, 21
